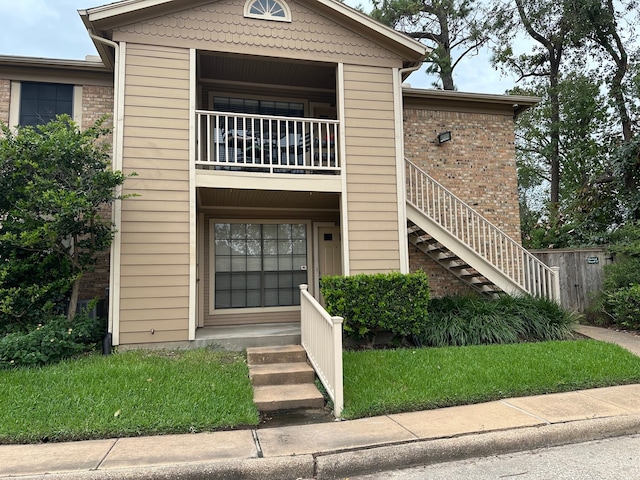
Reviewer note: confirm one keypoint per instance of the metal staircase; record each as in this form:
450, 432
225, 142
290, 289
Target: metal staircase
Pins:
473, 249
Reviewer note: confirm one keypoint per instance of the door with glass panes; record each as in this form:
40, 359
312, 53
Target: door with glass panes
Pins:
258, 265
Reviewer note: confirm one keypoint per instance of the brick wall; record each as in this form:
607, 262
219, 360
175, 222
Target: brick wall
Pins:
5, 100
477, 165
97, 101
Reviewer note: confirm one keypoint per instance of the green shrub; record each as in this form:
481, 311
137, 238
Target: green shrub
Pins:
621, 274
473, 320
51, 342
623, 306
619, 278
371, 304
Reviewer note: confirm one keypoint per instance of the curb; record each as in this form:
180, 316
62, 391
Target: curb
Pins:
339, 465
294, 467
427, 452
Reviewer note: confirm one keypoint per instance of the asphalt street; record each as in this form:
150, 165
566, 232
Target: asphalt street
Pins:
611, 459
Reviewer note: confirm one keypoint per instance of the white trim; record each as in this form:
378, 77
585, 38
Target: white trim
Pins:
120, 8
193, 253
118, 140
201, 269
130, 6
269, 181
267, 15
344, 213
77, 105
400, 173
14, 104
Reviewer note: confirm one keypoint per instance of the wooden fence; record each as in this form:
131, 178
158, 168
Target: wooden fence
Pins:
581, 273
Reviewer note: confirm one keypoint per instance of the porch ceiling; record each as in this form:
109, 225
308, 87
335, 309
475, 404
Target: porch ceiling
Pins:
225, 197
239, 68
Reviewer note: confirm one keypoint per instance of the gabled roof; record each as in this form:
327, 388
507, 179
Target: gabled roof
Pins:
100, 20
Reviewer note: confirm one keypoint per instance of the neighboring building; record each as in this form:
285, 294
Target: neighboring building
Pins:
269, 140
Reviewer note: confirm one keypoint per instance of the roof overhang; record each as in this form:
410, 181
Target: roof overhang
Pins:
461, 101
100, 21
35, 69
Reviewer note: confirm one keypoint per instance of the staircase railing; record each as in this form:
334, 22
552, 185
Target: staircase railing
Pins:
480, 235
322, 339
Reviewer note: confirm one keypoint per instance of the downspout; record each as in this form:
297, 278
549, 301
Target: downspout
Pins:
113, 328
401, 173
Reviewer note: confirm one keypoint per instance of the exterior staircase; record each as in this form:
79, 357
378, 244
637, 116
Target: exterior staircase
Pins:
450, 261
473, 249
282, 379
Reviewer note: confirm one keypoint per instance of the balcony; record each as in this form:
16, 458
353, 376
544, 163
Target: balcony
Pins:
266, 144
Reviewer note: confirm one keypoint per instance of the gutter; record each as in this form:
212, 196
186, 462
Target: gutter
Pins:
113, 327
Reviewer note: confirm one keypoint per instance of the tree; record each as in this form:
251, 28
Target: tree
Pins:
548, 23
598, 21
585, 207
54, 180
449, 27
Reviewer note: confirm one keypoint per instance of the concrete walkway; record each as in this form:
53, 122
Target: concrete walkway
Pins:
340, 449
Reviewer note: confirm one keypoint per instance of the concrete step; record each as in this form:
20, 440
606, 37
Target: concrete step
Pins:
281, 374
287, 397
277, 354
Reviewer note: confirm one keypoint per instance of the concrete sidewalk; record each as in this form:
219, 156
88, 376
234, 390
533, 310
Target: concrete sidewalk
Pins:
340, 449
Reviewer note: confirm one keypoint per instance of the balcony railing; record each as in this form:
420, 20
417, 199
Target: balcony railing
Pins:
263, 143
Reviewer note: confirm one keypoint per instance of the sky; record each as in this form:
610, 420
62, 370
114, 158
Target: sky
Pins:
53, 29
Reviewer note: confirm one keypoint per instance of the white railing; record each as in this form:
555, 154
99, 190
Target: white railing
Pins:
322, 339
233, 141
480, 235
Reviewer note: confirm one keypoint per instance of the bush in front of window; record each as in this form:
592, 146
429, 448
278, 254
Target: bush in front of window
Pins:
383, 302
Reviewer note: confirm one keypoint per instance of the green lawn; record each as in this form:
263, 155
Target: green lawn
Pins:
390, 381
126, 394
145, 393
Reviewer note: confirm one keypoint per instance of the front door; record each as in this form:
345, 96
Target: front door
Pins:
329, 252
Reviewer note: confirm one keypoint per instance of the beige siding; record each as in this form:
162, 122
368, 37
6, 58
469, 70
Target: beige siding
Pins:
221, 26
371, 169
154, 290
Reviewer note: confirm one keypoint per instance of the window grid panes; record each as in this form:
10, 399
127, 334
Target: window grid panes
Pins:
42, 102
259, 265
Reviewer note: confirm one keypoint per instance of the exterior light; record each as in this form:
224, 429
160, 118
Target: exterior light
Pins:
444, 137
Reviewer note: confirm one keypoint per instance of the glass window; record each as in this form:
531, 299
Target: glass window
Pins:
268, 10
258, 107
42, 102
259, 265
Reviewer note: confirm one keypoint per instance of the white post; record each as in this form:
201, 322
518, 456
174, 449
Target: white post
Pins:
338, 402
556, 284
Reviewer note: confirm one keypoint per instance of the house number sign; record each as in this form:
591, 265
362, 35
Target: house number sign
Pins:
593, 260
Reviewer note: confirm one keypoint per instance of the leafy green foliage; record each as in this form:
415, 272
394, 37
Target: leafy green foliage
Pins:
471, 320
51, 342
452, 29
54, 180
371, 304
623, 305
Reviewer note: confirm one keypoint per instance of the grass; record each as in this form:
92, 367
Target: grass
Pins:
126, 394
391, 381
162, 392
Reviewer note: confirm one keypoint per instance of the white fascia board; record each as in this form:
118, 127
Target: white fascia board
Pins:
360, 17
128, 6
120, 8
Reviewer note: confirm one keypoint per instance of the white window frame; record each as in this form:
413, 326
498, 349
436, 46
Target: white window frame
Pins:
267, 15
212, 263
